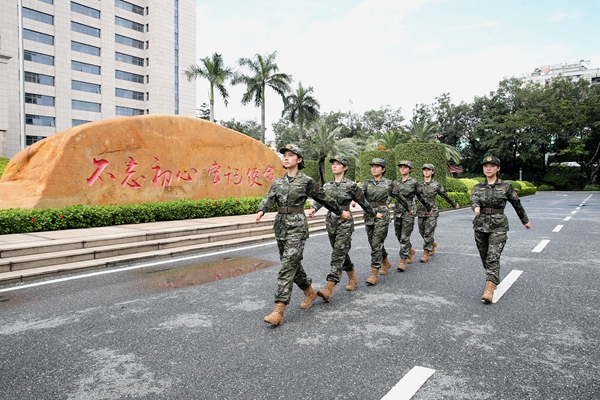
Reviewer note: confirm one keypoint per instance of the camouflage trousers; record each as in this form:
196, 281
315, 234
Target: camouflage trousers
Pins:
376, 235
490, 246
290, 253
427, 227
403, 227
340, 260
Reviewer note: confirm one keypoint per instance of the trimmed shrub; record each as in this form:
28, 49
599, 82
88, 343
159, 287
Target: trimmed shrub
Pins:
526, 184
591, 188
461, 198
423, 153
311, 168
455, 185
545, 188
470, 183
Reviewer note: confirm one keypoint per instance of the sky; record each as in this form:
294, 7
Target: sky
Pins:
364, 55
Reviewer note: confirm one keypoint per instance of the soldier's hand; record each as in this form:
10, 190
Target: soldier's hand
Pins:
312, 212
430, 212
378, 216
528, 225
345, 215
353, 203
457, 206
259, 215
410, 213
477, 210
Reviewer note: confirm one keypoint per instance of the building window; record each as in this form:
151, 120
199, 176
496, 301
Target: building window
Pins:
29, 140
147, 95
129, 76
85, 10
41, 100
126, 58
47, 1
39, 78
85, 48
129, 7
138, 44
85, 29
32, 56
85, 86
38, 16
128, 111
129, 24
147, 78
39, 120
76, 122
38, 37
147, 44
83, 67
85, 105
129, 94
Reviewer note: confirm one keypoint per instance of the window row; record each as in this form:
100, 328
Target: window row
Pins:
85, 10
38, 16
39, 99
130, 7
44, 120
81, 47
48, 80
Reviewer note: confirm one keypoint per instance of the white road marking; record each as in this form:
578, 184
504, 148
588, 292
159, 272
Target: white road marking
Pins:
573, 212
540, 246
558, 228
406, 388
578, 208
505, 284
567, 218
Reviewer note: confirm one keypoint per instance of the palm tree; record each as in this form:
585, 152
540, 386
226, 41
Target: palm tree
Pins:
213, 70
264, 73
424, 132
301, 107
325, 143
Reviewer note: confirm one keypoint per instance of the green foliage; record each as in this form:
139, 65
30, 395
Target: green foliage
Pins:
455, 185
423, 153
16, 220
350, 173
461, 198
249, 127
525, 184
591, 188
479, 179
470, 182
563, 177
311, 168
3, 162
365, 158
514, 184
545, 188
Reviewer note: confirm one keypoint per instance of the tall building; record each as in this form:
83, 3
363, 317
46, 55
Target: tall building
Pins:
87, 60
575, 70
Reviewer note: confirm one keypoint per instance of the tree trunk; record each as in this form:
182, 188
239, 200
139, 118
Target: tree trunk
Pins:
262, 118
211, 100
322, 171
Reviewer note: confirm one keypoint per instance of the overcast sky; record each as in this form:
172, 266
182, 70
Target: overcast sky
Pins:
361, 55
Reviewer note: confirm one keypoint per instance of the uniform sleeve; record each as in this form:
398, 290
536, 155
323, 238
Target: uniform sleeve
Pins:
314, 190
396, 195
419, 194
513, 197
474, 197
359, 197
269, 200
442, 192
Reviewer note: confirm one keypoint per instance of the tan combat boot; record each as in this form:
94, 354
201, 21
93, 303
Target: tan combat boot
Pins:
276, 317
409, 260
325, 293
309, 296
352, 280
372, 279
488, 293
385, 266
401, 265
432, 252
425, 256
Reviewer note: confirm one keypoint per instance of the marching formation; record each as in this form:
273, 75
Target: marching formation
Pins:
374, 195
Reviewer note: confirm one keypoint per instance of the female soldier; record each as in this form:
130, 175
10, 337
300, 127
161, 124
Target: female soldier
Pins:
404, 221
343, 191
291, 229
488, 200
427, 222
378, 190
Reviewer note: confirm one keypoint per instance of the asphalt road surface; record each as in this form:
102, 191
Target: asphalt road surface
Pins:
126, 334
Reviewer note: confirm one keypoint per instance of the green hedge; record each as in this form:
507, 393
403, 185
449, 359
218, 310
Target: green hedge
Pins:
470, 183
455, 185
461, 198
311, 168
350, 173
424, 153
365, 158
545, 188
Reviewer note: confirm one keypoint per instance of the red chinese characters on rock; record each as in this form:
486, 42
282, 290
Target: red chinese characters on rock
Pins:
236, 179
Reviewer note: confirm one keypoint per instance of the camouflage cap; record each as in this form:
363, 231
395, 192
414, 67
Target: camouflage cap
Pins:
341, 159
491, 159
378, 161
428, 166
405, 162
294, 149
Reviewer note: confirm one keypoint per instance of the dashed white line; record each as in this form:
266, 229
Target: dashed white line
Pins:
558, 228
578, 208
406, 388
505, 284
567, 218
573, 212
540, 246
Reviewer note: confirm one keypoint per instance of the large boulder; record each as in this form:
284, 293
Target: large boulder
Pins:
138, 159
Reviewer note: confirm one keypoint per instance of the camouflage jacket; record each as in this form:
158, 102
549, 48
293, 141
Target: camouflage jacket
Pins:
491, 199
430, 192
344, 192
380, 192
408, 189
293, 192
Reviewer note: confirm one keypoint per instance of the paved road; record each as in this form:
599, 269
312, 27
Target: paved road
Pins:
122, 335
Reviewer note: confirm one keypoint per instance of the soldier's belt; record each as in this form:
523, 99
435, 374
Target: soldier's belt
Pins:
492, 211
378, 203
289, 210
345, 208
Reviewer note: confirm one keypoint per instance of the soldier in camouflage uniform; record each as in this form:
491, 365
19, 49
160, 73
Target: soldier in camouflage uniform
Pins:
343, 191
488, 200
378, 191
404, 221
427, 222
291, 228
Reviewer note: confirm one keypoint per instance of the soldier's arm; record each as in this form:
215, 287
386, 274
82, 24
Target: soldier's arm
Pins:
399, 199
442, 192
513, 197
268, 201
315, 191
419, 194
359, 197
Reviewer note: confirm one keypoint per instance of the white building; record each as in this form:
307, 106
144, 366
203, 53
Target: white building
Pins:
87, 60
576, 70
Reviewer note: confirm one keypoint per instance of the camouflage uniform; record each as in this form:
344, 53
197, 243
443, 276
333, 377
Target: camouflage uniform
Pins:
491, 225
404, 222
340, 231
427, 223
291, 227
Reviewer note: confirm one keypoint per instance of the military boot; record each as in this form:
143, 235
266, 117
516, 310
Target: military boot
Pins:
432, 252
425, 256
385, 266
488, 293
352, 280
325, 293
276, 317
309, 296
409, 260
402, 265
372, 279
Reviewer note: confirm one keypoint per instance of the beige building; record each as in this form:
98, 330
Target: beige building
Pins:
576, 70
87, 60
